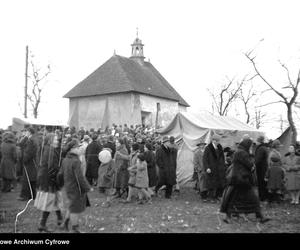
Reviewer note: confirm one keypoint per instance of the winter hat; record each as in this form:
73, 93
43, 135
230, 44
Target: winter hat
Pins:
148, 146
105, 156
72, 144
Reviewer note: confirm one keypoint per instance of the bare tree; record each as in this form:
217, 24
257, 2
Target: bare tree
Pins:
38, 79
245, 97
226, 95
258, 119
287, 101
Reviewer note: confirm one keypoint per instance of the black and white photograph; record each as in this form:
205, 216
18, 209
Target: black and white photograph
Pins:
148, 117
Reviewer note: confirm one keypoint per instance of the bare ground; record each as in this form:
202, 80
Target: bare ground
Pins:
184, 213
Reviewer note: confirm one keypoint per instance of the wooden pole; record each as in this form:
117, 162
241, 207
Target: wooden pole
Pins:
26, 78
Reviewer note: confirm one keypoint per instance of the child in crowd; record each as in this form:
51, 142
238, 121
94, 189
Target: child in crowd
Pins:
275, 178
142, 181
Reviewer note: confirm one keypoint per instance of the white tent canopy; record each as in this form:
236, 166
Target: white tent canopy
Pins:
190, 129
18, 123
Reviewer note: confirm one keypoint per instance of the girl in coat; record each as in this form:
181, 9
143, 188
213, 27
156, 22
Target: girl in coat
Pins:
132, 170
8, 161
106, 175
49, 198
239, 197
291, 163
142, 181
275, 178
75, 186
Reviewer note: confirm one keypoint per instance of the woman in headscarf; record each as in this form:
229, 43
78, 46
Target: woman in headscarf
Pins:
75, 186
239, 197
8, 161
121, 166
48, 198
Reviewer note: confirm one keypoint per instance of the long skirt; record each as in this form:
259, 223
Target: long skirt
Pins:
47, 201
293, 181
239, 200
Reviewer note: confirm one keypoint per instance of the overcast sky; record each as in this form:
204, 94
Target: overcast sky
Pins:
194, 44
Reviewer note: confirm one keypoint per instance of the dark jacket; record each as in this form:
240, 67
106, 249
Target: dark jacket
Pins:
92, 160
30, 158
75, 184
275, 178
242, 166
261, 160
47, 171
215, 161
166, 160
8, 160
151, 167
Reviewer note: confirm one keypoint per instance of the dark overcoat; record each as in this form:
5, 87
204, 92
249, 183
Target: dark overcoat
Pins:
8, 160
30, 158
261, 163
121, 166
166, 160
151, 167
21, 145
242, 168
92, 160
75, 184
239, 196
215, 161
48, 169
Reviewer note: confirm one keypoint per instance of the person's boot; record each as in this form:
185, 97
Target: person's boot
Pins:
42, 227
59, 217
227, 219
262, 219
65, 225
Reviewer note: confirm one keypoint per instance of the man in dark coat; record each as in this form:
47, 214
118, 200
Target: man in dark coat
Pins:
166, 162
30, 167
261, 163
239, 196
92, 161
214, 167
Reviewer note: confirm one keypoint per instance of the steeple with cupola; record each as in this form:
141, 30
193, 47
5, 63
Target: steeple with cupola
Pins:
137, 51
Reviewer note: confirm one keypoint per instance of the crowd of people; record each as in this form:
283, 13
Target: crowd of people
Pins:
247, 174
57, 167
